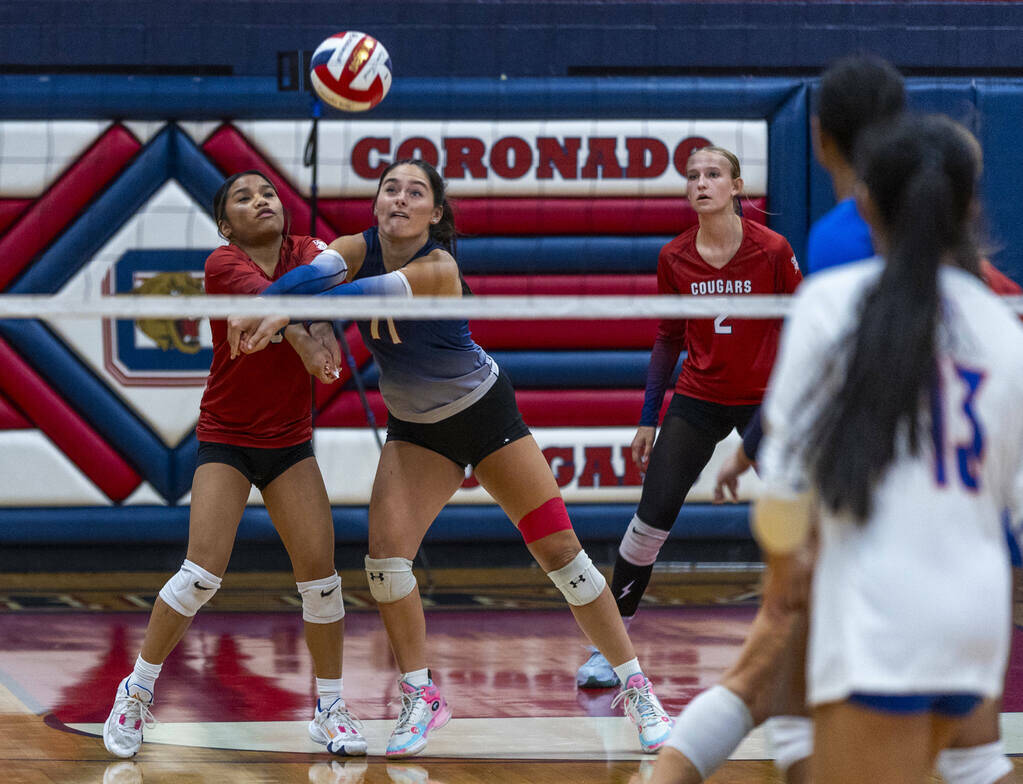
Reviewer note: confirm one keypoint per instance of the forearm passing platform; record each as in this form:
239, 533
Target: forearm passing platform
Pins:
327, 270
189, 589
393, 284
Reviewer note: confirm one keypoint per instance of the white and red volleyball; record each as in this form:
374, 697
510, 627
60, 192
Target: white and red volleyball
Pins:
351, 71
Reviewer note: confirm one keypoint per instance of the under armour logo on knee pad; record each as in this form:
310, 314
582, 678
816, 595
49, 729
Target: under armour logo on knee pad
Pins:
376, 576
575, 583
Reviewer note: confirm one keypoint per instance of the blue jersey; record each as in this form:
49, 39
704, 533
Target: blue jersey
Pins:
429, 369
839, 236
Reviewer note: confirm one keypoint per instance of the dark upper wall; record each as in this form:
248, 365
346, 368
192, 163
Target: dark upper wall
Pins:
514, 38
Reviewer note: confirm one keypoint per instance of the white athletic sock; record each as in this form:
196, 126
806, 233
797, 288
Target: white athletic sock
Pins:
145, 674
974, 764
417, 677
710, 728
328, 690
627, 669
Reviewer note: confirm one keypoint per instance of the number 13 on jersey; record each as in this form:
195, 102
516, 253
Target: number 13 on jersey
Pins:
969, 452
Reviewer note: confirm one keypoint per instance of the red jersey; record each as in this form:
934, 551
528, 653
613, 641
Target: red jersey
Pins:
729, 360
998, 281
262, 399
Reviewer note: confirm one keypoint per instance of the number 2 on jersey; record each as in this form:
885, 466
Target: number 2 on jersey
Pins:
969, 453
720, 328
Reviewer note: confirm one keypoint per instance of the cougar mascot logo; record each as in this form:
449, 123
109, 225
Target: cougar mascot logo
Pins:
181, 334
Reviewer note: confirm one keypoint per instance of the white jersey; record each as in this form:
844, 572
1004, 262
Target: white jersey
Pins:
918, 598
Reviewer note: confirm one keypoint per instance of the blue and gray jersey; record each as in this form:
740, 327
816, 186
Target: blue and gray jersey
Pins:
429, 370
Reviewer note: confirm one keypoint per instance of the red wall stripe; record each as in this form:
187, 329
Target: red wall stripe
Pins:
539, 407
72, 435
564, 334
65, 199
517, 216
233, 153
10, 209
10, 417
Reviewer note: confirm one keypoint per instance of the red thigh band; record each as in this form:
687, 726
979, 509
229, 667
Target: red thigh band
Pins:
548, 518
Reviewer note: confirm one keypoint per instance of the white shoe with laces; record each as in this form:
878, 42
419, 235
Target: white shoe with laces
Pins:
122, 731
336, 728
644, 710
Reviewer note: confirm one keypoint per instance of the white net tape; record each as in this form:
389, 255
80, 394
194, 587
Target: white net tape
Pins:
21, 306
298, 307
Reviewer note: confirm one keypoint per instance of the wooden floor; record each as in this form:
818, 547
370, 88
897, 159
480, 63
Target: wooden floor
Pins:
234, 698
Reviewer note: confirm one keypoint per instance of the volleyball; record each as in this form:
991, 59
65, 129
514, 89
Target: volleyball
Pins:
351, 71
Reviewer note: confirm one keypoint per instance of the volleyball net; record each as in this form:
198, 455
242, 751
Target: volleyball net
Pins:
99, 397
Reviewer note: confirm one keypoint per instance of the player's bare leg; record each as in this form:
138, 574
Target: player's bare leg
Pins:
853, 744
520, 480
412, 485
300, 511
298, 506
219, 493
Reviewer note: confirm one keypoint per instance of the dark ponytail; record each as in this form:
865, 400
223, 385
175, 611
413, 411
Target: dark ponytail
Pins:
920, 173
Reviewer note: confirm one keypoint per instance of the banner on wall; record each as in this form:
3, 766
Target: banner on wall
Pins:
145, 228
514, 158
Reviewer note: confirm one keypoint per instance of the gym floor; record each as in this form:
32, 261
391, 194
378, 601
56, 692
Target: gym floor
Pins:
234, 698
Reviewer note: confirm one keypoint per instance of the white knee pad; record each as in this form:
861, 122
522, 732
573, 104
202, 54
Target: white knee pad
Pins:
974, 764
321, 600
790, 738
710, 728
390, 579
189, 589
641, 542
580, 580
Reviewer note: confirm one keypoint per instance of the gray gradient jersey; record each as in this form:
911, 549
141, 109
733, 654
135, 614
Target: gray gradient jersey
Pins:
429, 370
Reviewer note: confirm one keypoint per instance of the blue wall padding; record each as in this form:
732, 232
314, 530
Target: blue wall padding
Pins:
90, 397
562, 369
214, 98
558, 255
1001, 107
456, 523
787, 184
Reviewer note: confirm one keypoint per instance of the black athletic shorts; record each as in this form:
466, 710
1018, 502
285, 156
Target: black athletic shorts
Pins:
470, 435
260, 466
714, 419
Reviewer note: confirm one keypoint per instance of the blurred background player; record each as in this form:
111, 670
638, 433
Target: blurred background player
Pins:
255, 428
723, 376
855, 92
879, 416
450, 407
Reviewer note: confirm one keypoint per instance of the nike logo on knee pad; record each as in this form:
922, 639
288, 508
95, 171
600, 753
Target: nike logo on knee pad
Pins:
200, 587
328, 593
